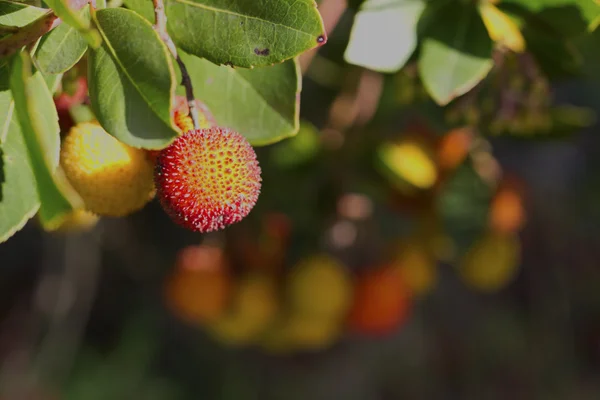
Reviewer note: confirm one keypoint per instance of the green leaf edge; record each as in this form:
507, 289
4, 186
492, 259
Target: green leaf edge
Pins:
459, 91
28, 215
63, 186
317, 45
34, 53
166, 53
296, 127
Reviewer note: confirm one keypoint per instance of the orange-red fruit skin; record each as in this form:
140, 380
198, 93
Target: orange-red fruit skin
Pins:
208, 179
382, 301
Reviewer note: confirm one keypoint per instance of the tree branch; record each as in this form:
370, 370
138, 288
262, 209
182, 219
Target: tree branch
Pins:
161, 28
28, 34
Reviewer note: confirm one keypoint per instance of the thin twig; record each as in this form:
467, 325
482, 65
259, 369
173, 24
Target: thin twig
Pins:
161, 28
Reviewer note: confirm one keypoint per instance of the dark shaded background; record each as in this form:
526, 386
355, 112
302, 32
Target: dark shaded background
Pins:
84, 314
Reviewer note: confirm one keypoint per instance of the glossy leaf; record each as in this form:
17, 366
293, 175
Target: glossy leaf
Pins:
72, 17
384, 34
261, 104
19, 200
38, 120
62, 48
18, 14
245, 33
456, 52
132, 82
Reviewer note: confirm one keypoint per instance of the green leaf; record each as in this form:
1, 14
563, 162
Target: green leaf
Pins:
52, 81
62, 48
19, 200
261, 104
384, 34
18, 14
142, 7
132, 82
463, 205
245, 33
38, 120
18, 196
565, 17
6, 101
71, 17
456, 52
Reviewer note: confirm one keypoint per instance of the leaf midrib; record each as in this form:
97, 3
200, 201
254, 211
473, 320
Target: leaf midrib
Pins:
457, 43
220, 10
69, 32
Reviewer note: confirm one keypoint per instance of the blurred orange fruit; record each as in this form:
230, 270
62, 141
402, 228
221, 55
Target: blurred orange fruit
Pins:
507, 213
453, 148
199, 288
319, 287
382, 301
492, 262
253, 307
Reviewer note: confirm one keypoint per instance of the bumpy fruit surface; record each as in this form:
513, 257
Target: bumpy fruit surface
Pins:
184, 122
198, 290
208, 179
319, 287
381, 302
113, 179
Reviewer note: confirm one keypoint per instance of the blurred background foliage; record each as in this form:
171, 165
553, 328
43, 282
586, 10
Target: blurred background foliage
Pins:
400, 249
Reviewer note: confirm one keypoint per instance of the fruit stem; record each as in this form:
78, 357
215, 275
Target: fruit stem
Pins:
186, 82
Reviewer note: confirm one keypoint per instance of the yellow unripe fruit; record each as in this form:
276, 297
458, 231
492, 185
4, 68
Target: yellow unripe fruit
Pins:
410, 162
253, 308
79, 220
319, 287
492, 262
113, 179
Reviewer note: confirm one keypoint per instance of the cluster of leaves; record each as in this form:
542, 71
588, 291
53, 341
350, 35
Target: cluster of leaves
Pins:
242, 62
133, 79
453, 41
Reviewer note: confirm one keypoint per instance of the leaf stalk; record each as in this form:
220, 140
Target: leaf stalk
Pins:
161, 27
